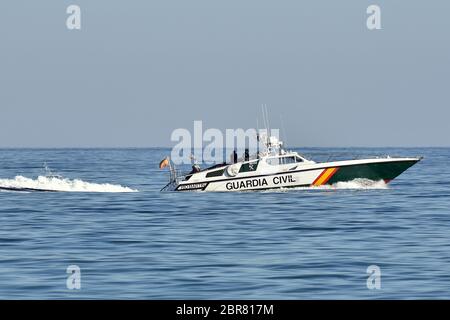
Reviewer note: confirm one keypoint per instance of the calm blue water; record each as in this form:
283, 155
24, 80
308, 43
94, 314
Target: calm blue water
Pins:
305, 244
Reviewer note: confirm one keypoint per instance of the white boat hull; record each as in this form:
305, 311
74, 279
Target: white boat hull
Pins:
291, 176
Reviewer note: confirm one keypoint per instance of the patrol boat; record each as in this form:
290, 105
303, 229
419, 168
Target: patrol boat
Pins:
276, 168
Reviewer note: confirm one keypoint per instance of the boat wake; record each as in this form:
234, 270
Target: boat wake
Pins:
360, 184
58, 184
356, 184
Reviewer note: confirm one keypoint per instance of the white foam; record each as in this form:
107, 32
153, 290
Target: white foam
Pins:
61, 184
361, 184
356, 184
364, 184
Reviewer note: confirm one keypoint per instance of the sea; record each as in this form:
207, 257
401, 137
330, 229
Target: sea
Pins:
109, 233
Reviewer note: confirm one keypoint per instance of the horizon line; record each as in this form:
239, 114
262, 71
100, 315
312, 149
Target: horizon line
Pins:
169, 147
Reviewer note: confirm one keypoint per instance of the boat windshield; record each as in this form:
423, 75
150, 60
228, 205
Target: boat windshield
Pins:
274, 161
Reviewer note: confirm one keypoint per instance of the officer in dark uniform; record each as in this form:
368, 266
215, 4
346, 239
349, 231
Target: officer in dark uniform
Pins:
234, 156
246, 155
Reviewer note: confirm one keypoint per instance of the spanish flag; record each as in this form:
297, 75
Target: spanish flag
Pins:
164, 163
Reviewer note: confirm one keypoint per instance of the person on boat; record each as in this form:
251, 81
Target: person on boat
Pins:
234, 156
246, 155
195, 168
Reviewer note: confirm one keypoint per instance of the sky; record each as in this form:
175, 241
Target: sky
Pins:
137, 70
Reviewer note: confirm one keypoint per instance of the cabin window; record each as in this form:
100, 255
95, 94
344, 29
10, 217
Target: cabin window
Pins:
273, 161
288, 160
283, 160
216, 173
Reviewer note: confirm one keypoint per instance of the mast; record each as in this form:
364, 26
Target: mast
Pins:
284, 132
257, 138
266, 124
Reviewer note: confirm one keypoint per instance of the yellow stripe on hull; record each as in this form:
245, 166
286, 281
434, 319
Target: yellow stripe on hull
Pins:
324, 176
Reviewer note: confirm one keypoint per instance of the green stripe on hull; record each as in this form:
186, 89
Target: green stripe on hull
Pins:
373, 171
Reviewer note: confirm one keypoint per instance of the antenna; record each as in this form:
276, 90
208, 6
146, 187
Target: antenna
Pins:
283, 130
264, 115
257, 132
257, 137
267, 118
266, 122
264, 118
